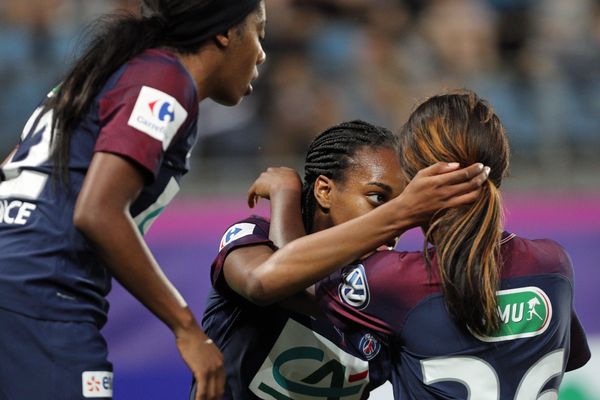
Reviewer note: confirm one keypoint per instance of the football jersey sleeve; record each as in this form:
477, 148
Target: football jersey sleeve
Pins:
151, 102
248, 232
367, 295
580, 353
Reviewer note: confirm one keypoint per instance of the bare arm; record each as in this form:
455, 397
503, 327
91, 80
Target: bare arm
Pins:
268, 278
102, 215
285, 196
283, 187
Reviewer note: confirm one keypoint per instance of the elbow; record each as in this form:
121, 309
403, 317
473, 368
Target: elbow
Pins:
89, 220
81, 220
257, 291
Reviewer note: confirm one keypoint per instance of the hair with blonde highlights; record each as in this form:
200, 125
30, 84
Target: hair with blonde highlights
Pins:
461, 127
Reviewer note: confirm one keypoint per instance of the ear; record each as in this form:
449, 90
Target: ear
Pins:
222, 39
322, 191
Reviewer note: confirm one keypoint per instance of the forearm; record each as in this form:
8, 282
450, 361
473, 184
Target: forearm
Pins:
125, 254
311, 258
286, 219
286, 226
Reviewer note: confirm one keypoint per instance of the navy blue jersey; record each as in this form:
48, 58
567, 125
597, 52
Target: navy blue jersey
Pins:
271, 353
147, 113
435, 357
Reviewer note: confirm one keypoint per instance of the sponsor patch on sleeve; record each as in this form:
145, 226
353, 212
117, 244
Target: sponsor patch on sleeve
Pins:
354, 289
236, 232
97, 384
157, 114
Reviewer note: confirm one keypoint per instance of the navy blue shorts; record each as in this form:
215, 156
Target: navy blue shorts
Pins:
52, 360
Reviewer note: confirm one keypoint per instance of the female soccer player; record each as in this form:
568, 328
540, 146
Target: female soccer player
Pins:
350, 169
484, 314
97, 162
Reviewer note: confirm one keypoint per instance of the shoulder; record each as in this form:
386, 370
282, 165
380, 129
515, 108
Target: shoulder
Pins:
384, 287
156, 74
253, 227
536, 256
400, 267
160, 68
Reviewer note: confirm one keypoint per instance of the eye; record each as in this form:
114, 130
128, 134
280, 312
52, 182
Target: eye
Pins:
377, 199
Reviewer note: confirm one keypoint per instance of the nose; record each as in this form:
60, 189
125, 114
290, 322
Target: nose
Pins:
262, 56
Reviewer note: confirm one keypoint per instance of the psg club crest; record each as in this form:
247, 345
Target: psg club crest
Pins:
354, 289
369, 346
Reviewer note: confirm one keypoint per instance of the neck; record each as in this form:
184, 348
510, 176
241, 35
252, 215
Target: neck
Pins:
321, 222
202, 66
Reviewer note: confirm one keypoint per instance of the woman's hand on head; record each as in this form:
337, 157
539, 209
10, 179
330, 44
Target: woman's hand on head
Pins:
443, 185
273, 181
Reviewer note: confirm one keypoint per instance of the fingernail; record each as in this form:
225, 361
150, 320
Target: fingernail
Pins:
453, 165
487, 170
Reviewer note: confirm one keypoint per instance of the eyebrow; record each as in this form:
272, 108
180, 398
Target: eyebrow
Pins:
383, 186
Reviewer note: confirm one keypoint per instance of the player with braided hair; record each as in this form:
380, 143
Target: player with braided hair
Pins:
330, 154
352, 184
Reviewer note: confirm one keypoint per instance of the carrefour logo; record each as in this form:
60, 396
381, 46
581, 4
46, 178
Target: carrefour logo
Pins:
236, 232
157, 114
354, 289
163, 110
524, 312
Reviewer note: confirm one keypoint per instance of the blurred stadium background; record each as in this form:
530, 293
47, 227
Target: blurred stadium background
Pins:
536, 61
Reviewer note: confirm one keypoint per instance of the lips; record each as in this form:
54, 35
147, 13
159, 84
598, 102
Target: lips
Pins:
250, 88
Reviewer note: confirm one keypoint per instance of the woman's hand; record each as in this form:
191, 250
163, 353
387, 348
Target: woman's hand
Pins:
442, 185
272, 182
204, 360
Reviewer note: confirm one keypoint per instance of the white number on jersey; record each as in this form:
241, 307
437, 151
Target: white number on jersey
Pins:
481, 380
28, 184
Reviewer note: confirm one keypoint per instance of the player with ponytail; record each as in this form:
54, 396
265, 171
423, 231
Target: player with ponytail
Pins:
480, 313
467, 239
352, 178
97, 162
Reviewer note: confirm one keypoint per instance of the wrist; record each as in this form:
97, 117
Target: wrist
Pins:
287, 194
404, 215
185, 322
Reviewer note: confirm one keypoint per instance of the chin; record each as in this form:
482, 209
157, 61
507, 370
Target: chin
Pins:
228, 101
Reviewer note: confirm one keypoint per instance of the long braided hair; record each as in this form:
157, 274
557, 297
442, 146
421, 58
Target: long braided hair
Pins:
330, 154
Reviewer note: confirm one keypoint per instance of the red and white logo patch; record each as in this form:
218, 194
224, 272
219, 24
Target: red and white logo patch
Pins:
157, 114
97, 384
